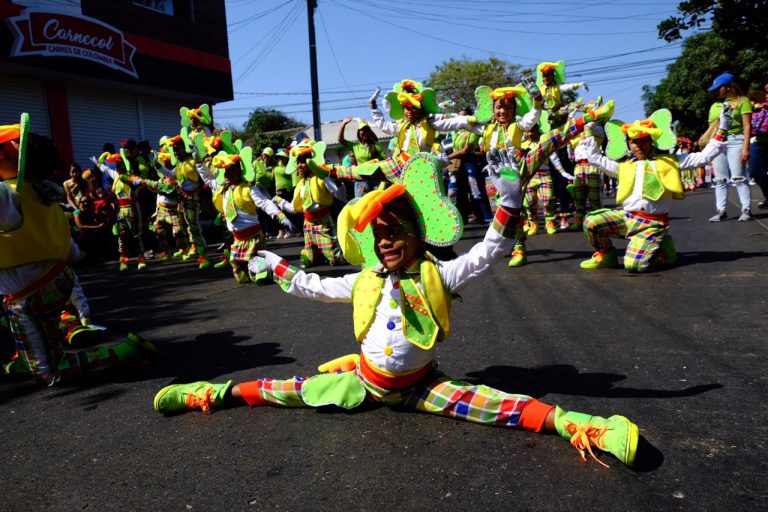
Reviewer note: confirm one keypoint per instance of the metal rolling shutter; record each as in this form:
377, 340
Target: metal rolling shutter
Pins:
97, 116
22, 94
161, 117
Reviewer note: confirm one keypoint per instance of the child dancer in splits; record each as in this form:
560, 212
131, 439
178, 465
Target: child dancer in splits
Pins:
401, 303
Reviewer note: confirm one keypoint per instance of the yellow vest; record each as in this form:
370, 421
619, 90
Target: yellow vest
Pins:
413, 146
553, 98
667, 171
318, 194
243, 200
43, 235
366, 295
513, 132
121, 189
185, 171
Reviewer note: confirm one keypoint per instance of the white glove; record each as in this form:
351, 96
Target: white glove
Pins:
726, 118
530, 85
136, 181
94, 160
590, 144
583, 85
287, 224
505, 176
271, 260
374, 96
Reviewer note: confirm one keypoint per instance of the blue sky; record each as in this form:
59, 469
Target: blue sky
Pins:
611, 45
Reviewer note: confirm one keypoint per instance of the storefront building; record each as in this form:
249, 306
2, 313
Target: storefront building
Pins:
103, 71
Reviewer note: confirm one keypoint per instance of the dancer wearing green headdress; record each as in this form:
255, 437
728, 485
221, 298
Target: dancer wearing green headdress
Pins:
239, 203
416, 120
648, 183
128, 225
188, 182
36, 277
402, 310
313, 197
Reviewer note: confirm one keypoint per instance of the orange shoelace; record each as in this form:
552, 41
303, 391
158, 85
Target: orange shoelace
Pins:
584, 436
599, 256
204, 402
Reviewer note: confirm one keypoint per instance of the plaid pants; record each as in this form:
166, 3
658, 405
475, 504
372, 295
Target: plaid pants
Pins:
436, 394
128, 227
320, 235
586, 185
39, 336
243, 251
190, 211
168, 219
540, 188
644, 235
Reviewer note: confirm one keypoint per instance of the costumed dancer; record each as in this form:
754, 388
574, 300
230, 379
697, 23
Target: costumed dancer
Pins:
169, 223
550, 77
239, 203
366, 148
417, 119
401, 304
197, 120
510, 111
648, 183
284, 184
127, 227
36, 251
587, 180
313, 197
540, 189
188, 181
207, 149
682, 150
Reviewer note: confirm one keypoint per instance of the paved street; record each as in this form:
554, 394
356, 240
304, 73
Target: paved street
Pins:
681, 352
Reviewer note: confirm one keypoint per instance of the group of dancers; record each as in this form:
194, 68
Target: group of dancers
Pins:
400, 233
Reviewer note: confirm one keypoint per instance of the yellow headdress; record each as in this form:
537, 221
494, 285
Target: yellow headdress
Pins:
640, 129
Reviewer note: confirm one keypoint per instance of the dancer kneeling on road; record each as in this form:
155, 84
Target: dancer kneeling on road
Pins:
402, 301
647, 185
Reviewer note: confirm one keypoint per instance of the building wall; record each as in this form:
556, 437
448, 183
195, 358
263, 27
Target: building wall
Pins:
203, 28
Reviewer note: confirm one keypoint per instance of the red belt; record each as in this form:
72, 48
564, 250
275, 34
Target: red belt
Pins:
317, 214
41, 281
247, 233
125, 202
391, 382
657, 217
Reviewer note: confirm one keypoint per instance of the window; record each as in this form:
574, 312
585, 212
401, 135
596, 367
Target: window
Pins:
163, 6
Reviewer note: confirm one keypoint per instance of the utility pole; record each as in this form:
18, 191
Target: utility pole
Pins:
311, 5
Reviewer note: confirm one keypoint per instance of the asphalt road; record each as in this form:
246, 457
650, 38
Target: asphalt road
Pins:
681, 352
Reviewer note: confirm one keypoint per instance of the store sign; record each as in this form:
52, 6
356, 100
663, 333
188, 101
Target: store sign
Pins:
67, 34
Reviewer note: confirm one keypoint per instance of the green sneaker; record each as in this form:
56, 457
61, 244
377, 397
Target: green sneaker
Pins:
182, 397
601, 260
222, 264
668, 252
615, 435
519, 256
304, 260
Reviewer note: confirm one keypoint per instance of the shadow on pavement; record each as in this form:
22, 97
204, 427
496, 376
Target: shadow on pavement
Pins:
648, 457
689, 258
567, 380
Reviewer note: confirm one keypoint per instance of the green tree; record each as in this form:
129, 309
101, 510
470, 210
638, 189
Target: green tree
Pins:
264, 120
684, 89
455, 80
737, 41
739, 23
